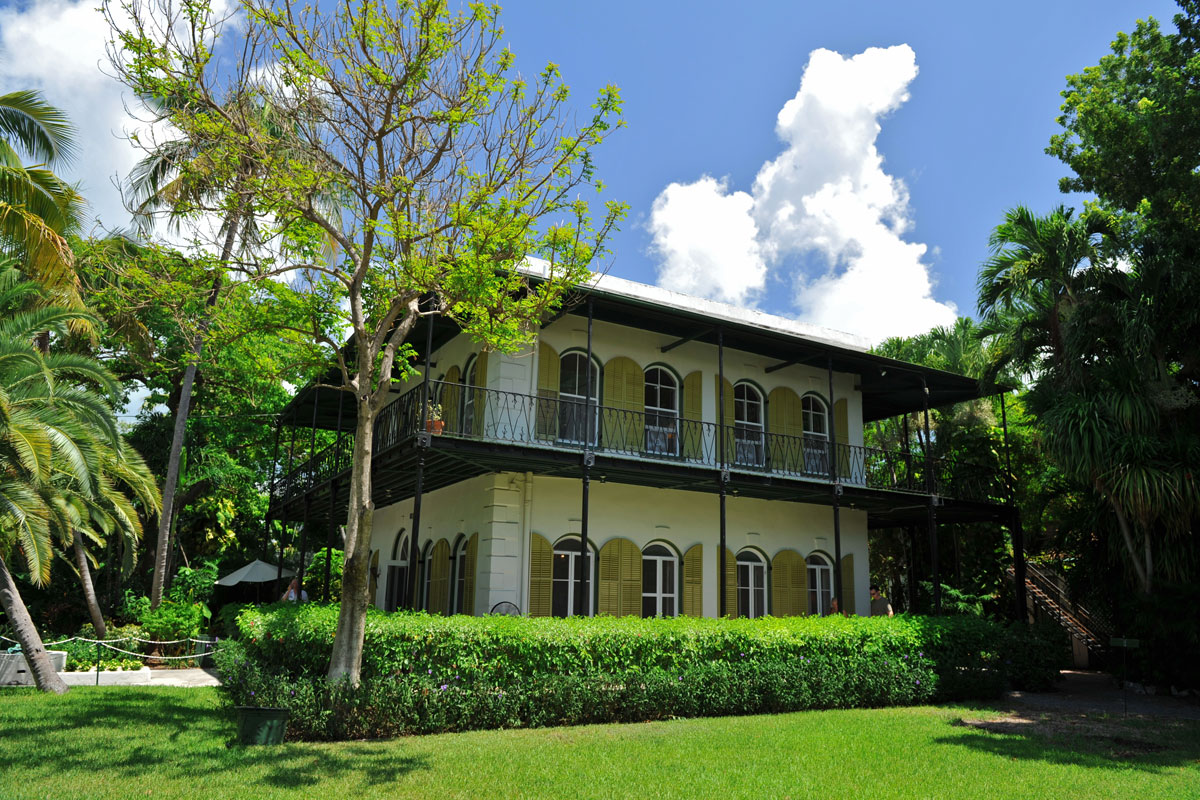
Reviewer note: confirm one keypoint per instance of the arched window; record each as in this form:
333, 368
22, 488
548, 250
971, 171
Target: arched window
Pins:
397, 573
748, 425
573, 398
458, 591
427, 578
752, 585
470, 378
568, 566
820, 585
659, 567
816, 435
662, 412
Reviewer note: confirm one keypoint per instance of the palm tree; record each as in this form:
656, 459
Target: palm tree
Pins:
37, 208
61, 456
177, 180
1058, 308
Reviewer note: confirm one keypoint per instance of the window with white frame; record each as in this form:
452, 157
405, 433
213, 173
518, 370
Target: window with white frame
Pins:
662, 412
397, 573
659, 568
748, 425
568, 567
428, 576
460, 579
752, 584
573, 398
816, 434
470, 376
820, 585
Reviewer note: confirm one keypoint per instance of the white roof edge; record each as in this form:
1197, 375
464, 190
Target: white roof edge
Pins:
727, 312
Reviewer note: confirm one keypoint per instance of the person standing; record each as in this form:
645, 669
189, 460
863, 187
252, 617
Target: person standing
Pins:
880, 605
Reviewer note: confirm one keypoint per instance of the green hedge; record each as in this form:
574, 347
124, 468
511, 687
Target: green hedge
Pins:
425, 673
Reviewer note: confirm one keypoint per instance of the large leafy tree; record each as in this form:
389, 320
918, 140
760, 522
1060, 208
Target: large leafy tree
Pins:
449, 170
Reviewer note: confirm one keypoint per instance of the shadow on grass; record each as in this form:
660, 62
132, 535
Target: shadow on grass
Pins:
1079, 739
132, 732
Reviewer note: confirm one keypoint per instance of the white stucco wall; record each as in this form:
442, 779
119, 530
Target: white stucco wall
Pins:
504, 508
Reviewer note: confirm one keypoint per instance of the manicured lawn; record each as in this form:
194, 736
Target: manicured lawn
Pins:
124, 742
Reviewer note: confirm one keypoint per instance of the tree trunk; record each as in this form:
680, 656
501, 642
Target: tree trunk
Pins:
346, 661
181, 415
1142, 569
89, 589
31, 643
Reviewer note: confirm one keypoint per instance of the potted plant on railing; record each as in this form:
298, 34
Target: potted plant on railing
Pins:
433, 419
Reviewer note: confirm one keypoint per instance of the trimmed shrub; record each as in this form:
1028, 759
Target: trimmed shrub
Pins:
424, 674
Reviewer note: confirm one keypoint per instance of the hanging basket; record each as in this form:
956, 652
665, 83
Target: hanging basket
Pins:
258, 725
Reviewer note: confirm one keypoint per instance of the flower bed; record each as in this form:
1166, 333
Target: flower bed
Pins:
424, 674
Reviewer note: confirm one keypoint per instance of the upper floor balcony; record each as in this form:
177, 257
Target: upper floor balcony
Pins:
481, 430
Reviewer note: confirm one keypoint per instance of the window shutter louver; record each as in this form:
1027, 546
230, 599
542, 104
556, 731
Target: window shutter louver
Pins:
789, 585
452, 399
469, 577
622, 422
693, 580
548, 382
841, 422
439, 578
693, 404
786, 418
619, 586
848, 583
541, 576
417, 576
731, 607
481, 382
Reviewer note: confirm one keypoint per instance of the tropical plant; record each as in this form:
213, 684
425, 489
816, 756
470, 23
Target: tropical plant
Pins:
37, 208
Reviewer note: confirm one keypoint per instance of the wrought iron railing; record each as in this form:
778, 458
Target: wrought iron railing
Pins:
549, 421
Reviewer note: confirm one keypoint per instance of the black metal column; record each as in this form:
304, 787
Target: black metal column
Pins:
266, 548
283, 520
589, 458
930, 490
1014, 524
837, 496
333, 490
424, 440
723, 480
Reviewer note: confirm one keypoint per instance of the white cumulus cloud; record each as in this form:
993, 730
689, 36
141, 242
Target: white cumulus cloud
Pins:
825, 195
58, 48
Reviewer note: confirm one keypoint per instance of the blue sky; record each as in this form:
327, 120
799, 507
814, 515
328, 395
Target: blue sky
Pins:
703, 83
902, 158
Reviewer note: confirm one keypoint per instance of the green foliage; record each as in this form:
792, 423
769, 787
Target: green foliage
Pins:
173, 621
426, 673
314, 575
194, 584
134, 606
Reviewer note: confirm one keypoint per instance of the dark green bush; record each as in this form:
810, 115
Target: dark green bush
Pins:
425, 673
172, 621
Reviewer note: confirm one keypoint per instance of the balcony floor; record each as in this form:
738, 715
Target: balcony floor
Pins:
452, 459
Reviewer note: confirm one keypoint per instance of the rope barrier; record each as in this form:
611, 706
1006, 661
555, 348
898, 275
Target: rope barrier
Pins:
193, 656
121, 639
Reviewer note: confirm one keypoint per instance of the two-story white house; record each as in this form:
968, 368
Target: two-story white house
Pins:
651, 454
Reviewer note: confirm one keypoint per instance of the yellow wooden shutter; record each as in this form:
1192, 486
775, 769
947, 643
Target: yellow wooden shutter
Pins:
841, 421
693, 580
416, 579
726, 388
619, 587
374, 579
469, 577
848, 583
439, 578
481, 395
548, 383
731, 592
789, 587
452, 399
693, 431
541, 576
786, 418
624, 401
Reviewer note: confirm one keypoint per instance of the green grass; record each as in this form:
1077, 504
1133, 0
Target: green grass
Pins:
122, 742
